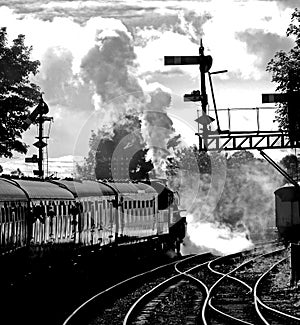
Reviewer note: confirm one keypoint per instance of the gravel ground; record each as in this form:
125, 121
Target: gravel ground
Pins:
252, 271
179, 307
278, 294
117, 311
115, 314
228, 264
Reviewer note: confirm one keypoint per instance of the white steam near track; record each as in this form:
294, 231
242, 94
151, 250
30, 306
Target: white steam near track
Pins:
218, 237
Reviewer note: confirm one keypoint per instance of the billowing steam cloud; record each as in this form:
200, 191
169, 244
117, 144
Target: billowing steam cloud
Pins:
158, 128
226, 208
109, 65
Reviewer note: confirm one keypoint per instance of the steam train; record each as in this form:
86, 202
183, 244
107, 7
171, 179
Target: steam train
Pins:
287, 210
36, 213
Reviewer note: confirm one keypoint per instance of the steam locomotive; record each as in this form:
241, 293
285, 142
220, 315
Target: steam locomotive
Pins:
37, 213
287, 209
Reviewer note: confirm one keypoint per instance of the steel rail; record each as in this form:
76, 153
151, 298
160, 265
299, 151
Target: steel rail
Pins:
140, 301
227, 275
79, 308
258, 302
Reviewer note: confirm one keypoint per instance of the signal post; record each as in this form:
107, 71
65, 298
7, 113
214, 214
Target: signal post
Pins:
37, 116
205, 63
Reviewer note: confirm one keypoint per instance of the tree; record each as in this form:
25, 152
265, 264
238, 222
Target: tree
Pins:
189, 159
285, 69
290, 164
240, 158
17, 93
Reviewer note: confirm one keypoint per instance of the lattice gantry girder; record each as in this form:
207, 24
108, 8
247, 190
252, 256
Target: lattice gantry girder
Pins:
245, 141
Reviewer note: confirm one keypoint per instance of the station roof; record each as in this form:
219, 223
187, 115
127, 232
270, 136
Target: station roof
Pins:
44, 190
9, 191
87, 188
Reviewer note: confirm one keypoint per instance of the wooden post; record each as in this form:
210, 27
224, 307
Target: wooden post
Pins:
295, 264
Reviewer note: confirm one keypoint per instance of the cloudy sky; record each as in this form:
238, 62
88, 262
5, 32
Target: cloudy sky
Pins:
100, 58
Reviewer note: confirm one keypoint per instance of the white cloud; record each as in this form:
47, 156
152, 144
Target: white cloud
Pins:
220, 36
151, 57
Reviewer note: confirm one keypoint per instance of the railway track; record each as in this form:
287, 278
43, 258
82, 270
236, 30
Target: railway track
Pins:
268, 314
230, 299
178, 299
200, 289
234, 297
168, 302
111, 305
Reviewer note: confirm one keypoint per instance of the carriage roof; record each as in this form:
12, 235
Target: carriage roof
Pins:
9, 191
87, 188
133, 188
44, 190
288, 192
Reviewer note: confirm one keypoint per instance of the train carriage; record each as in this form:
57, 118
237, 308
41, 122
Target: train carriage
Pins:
137, 210
49, 217
13, 225
86, 213
287, 209
95, 218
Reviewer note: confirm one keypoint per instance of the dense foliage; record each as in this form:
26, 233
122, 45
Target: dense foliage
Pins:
285, 69
291, 164
17, 93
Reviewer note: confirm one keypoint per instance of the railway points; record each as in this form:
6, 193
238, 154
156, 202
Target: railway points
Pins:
190, 291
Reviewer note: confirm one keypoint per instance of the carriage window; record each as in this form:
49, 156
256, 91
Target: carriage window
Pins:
17, 215
139, 204
3, 215
7, 214
100, 214
147, 204
12, 214
129, 203
143, 204
111, 213
134, 204
63, 209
